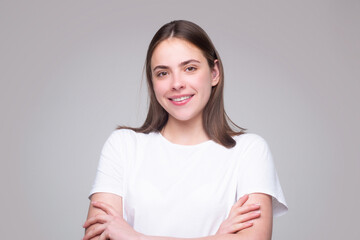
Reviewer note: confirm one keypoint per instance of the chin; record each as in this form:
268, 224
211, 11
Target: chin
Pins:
183, 117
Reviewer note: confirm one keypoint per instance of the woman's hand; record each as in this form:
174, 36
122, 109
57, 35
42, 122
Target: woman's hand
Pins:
113, 226
240, 217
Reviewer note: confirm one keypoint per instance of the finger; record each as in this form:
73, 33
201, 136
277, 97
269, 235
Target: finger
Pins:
100, 218
104, 236
241, 226
244, 209
248, 208
248, 217
236, 208
95, 231
105, 207
241, 200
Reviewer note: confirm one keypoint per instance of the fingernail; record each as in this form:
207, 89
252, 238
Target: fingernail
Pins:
93, 202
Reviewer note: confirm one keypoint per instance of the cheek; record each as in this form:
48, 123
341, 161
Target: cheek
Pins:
207, 88
159, 91
156, 88
205, 85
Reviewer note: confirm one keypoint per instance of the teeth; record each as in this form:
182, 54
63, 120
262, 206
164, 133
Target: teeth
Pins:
180, 98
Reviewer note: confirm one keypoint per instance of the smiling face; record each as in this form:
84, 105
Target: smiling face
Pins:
182, 79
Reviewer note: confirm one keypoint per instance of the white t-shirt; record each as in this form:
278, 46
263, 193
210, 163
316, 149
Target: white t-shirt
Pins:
180, 190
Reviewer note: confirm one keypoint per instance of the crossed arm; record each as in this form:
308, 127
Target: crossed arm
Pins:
250, 219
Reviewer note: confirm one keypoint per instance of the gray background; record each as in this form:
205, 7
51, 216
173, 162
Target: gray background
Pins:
72, 70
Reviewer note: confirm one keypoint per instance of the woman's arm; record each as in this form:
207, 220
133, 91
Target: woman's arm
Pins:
112, 224
260, 230
113, 200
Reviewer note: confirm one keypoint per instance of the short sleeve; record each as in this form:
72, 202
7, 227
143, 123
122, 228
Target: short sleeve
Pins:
258, 174
110, 172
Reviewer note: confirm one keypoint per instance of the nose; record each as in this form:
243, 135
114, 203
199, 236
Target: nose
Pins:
177, 82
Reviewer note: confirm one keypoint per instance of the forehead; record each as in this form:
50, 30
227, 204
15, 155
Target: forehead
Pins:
175, 50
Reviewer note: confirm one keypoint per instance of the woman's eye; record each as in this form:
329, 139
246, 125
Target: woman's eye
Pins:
161, 74
190, 69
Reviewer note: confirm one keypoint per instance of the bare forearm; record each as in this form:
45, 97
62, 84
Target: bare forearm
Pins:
111, 220
238, 236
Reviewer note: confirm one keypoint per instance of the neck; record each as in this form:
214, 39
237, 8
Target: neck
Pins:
184, 132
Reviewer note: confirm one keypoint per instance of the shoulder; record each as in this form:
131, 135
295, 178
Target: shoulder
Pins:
253, 149
119, 134
250, 140
128, 137
123, 142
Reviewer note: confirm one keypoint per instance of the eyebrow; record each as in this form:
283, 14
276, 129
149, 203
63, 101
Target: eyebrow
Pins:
181, 64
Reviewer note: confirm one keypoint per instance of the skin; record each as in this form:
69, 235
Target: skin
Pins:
180, 69
106, 221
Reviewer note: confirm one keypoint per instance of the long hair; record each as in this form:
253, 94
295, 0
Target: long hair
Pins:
215, 120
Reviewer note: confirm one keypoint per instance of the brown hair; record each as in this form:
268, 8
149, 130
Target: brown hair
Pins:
215, 120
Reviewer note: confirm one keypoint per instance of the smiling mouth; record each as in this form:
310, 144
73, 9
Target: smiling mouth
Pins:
180, 99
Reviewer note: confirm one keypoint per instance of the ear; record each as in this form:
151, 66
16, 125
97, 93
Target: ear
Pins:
215, 74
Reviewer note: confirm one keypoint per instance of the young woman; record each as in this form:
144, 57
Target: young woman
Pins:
185, 173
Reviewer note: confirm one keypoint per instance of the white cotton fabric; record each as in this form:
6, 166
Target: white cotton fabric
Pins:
184, 191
